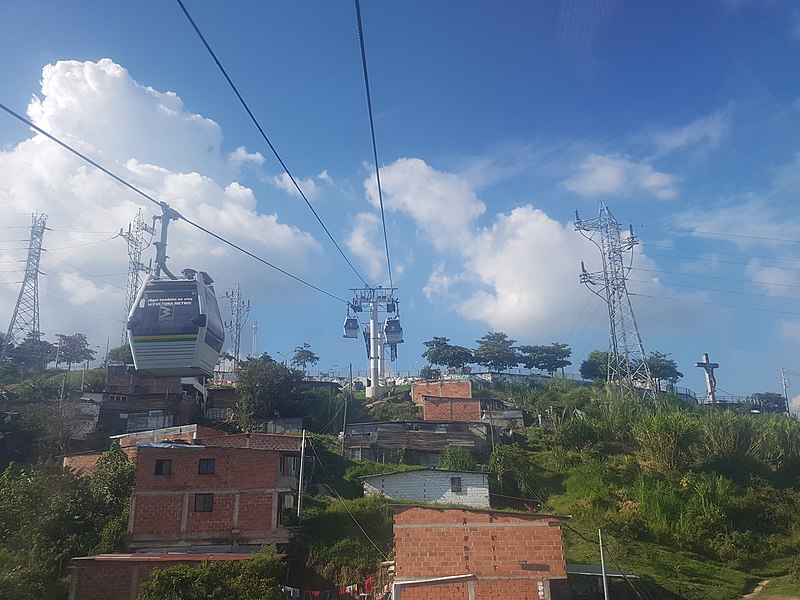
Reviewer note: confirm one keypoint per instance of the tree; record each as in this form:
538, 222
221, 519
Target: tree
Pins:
496, 351
549, 358
73, 349
256, 578
663, 368
266, 389
120, 355
429, 373
454, 458
33, 353
441, 352
595, 367
769, 401
304, 356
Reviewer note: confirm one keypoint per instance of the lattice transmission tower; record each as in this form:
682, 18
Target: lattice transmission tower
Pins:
240, 309
25, 320
628, 370
138, 230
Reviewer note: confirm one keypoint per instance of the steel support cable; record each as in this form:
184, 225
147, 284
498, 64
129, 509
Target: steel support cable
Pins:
372, 133
264, 136
146, 196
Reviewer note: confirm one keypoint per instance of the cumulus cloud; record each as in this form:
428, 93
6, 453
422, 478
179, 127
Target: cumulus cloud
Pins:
603, 175
148, 138
366, 228
443, 205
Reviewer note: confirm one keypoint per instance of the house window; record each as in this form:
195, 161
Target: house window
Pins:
163, 466
455, 484
290, 465
203, 502
141, 389
206, 466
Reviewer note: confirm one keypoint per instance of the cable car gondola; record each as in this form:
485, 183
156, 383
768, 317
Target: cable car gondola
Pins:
351, 327
175, 328
392, 331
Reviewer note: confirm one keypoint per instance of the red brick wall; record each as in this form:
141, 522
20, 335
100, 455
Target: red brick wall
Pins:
187, 433
451, 409
117, 577
163, 505
432, 542
81, 464
262, 441
440, 389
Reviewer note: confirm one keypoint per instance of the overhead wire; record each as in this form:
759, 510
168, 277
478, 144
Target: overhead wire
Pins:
767, 310
150, 198
372, 133
264, 136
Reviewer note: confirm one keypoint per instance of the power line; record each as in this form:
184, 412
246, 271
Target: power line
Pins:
705, 289
81, 308
671, 247
264, 136
690, 232
767, 310
146, 196
705, 276
372, 132
726, 262
82, 271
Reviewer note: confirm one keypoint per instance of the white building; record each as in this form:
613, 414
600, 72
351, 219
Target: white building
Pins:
431, 486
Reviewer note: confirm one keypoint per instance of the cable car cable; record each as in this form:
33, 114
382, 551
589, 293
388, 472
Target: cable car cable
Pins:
264, 136
372, 132
133, 188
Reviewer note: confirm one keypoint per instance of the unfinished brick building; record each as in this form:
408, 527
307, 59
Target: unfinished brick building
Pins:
192, 495
461, 388
435, 408
460, 554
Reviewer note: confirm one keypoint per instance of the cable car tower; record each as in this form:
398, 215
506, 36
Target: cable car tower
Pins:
628, 370
377, 337
25, 320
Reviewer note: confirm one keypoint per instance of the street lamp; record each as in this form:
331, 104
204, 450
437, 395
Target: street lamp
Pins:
285, 360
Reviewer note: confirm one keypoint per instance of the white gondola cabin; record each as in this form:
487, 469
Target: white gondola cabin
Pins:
392, 331
175, 328
351, 327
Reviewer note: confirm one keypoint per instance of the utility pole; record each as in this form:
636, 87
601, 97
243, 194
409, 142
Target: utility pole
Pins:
628, 370
254, 344
25, 319
603, 565
135, 236
239, 311
376, 300
344, 419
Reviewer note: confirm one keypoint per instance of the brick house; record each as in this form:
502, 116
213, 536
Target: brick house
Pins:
467, 553
461, 388
435, 408
192, 495
118, 576
431, 485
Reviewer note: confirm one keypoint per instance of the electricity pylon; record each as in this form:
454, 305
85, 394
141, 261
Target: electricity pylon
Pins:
25, 320
135, 236
239, 311
627, 362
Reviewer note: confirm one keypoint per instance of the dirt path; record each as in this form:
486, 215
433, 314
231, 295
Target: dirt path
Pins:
758, 589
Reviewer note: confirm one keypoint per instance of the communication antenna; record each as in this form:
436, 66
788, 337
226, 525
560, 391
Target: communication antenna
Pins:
628, 370
239, 311
255, 339
25, 319
135, 236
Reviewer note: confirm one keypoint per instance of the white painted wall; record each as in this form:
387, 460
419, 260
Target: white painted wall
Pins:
430, 487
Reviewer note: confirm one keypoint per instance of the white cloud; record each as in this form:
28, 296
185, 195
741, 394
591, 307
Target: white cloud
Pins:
443, 205
311, 186
705, 133
362, 243
794, 405
149, 139
603, 175
241, 156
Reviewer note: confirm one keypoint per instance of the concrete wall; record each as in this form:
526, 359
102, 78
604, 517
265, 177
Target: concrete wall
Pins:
247, 490
431, 486
451, 409
440, 389
511, 555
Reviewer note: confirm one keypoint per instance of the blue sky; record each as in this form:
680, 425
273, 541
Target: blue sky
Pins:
494, 123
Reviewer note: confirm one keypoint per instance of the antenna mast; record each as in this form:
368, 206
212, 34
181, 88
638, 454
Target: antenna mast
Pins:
627, 362
25, 320
239, 311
